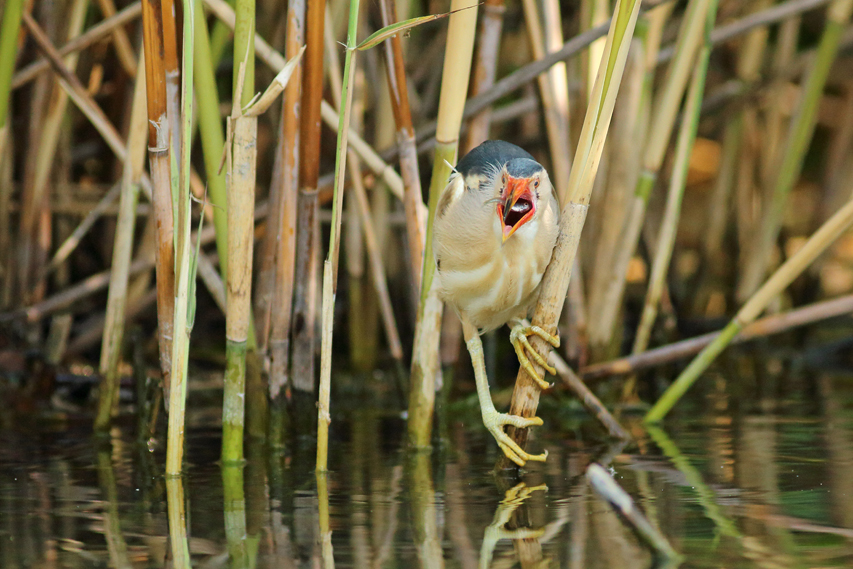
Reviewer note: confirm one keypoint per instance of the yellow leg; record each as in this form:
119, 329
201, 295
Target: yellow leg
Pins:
493, 420
520, 330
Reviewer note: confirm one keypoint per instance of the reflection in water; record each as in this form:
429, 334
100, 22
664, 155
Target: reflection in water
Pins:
176, 505
741, 483
497, 530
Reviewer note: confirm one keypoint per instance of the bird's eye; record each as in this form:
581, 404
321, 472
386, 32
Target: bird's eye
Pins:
503, 179
536, 183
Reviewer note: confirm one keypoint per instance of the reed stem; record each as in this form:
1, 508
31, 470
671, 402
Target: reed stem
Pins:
454, 87
330, 268
678, 181
114, 325
185, 263
241, 201
555, 282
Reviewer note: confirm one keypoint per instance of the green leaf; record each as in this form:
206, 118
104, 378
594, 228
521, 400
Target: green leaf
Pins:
388, 31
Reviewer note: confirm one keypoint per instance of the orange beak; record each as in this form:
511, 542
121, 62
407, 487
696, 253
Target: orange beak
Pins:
516, 206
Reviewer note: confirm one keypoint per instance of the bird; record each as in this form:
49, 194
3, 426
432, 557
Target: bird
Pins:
495, 227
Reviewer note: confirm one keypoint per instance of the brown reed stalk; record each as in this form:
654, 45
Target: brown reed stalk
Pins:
555, 282
114, 324
288, 187
307, 223
159, 138
412, 195
45, 124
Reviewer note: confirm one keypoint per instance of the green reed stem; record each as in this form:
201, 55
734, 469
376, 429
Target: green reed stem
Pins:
330, 271
184, 261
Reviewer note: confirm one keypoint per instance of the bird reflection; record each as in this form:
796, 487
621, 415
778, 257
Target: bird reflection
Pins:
496, 531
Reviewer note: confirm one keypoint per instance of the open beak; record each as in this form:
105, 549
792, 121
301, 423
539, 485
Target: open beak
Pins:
516, 207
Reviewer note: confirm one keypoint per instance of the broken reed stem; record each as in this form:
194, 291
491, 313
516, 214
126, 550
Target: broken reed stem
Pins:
778, 282
412, 193
114, 324
677, 183
800, 131
330, 269
288, 186
184, 263
555, 282
160, 168
242, 165
454, 87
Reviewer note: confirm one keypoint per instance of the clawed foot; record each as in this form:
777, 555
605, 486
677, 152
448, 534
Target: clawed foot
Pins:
495, 422
518, 337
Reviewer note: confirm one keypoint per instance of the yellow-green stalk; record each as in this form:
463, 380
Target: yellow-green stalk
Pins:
240, 203
185, 272
177, 513
234, 510
330, 268
454, 88
210, 130
13, 10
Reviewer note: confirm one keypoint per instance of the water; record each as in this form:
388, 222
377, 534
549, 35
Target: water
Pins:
745, 474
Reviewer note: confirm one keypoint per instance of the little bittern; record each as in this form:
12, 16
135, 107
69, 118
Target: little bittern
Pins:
494, 230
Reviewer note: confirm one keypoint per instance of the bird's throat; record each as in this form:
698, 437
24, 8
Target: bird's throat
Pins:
513, 214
